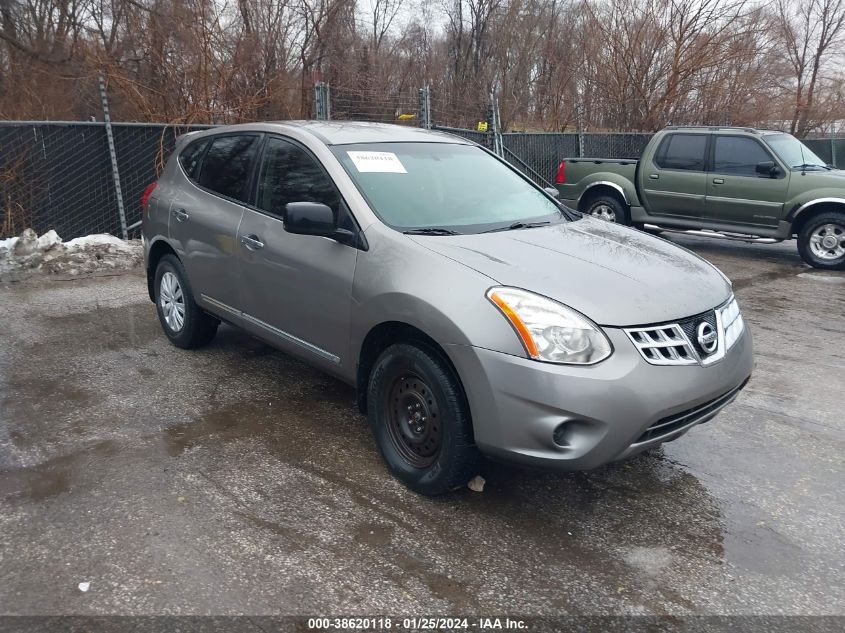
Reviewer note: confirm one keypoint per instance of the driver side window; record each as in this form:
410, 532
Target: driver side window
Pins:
290, 174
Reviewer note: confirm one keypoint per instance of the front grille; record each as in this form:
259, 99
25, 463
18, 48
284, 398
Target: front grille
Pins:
672, 423
663, 344
690, 328
677, 343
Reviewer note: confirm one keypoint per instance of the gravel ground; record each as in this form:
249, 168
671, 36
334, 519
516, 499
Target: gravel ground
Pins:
236, 480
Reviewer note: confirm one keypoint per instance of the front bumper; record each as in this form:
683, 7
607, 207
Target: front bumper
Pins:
612, 410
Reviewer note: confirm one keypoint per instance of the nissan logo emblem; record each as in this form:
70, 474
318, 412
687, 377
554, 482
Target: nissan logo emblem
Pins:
707, 338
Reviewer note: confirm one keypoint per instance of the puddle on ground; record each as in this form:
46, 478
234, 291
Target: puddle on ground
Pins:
225, 424
54, 476
283, 425
122, 327
744, 282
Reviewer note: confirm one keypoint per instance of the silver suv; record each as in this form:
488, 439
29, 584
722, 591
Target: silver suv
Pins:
473, 313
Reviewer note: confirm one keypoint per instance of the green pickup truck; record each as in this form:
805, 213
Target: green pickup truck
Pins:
736, 183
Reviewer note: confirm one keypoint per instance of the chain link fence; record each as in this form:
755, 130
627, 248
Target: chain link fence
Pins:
59, 176
830, 150
538, 155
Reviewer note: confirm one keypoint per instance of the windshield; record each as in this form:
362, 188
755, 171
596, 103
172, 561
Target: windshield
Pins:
792, 151
444, 188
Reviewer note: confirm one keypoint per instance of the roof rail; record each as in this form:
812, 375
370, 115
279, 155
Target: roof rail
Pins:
713, 128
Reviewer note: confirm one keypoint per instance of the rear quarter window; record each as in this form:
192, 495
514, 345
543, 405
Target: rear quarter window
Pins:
227, 165
190, 157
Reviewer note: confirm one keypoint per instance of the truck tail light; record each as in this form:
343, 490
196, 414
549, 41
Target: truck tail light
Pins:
561, 174
145, 197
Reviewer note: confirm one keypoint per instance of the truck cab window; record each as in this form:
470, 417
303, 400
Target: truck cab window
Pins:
738, 155
682, 151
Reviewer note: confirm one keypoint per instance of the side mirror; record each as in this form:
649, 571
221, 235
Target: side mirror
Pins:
313, 218
767, 168
554, 193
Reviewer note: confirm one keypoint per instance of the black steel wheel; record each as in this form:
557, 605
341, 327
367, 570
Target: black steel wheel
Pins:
420, 418
413, 420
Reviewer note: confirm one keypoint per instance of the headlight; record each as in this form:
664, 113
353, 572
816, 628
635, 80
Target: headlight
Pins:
550, 331
732, 322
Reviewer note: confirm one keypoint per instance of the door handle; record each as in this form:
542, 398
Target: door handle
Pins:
654, 176
181, 215
718, 181
252, 242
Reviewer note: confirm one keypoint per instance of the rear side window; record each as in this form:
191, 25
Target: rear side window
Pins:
190, 157
738, 155
227, 163
682, 151
290, 174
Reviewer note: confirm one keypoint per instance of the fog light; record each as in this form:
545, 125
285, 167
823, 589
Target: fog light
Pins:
561, 435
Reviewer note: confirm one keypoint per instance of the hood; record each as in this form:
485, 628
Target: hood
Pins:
612, 274
834, 178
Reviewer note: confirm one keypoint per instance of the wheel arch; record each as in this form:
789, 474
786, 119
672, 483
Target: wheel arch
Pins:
158, 249
599, 188
810, 209
382, 336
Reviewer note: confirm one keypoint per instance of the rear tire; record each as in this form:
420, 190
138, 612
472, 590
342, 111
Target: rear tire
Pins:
821, 241
420, 419
607, 207
182, 320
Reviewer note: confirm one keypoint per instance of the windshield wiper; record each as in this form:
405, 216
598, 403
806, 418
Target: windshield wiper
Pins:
430, 231
518, 225
804, 166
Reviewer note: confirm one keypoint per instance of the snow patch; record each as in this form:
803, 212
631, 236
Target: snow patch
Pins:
29, 255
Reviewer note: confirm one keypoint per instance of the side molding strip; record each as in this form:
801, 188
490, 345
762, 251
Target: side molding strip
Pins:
319, 351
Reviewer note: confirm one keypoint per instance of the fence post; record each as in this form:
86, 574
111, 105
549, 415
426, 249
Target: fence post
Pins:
322, 102
579, 122
113, 155
425, 107
498, 146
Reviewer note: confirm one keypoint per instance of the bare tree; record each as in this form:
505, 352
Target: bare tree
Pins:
811, 31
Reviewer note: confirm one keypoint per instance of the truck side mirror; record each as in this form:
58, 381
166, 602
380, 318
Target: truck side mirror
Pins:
767, 168
554, 193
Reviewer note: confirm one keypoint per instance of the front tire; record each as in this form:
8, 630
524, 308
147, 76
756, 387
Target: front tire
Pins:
420, 419
182, 320
821, 241
607, 207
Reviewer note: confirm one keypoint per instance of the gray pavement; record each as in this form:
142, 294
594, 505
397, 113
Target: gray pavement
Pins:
235, 479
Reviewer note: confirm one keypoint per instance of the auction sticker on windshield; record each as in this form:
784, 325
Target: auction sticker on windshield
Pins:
384, 162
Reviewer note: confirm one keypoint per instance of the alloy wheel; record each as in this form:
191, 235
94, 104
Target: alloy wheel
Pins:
172, 301
603, 212
828, 241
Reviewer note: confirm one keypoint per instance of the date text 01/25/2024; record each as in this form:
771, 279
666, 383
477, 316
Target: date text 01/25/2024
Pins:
416, 623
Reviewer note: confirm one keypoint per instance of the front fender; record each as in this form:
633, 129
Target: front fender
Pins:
400, 280
807, 201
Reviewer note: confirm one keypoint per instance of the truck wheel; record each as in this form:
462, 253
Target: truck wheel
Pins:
182, 320
609, 208
421, 421
821, 242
